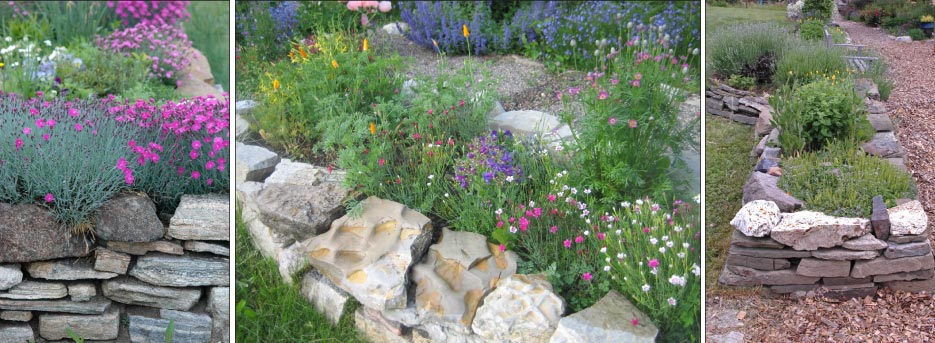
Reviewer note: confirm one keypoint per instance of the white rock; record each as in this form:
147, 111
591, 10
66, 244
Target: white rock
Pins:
392, 28
904, 39
526, 122
757, 218
521, 309
808, 230
908, 219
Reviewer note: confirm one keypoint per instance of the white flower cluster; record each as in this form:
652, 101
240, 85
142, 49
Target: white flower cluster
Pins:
794, 11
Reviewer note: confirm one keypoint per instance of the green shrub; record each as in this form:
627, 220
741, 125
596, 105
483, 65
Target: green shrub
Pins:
741, 82
893, 22
731, 50
814, 114
846, 186
808, 61
104, 73
916, 34
812, 29
818, 9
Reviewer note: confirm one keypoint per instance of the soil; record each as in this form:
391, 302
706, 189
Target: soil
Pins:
892, 316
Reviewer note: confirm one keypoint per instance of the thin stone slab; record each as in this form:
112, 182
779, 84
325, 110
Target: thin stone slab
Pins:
525, 122
880, 219
875, 107
906, 276
908, 219
838, 254
82, 291
808, 230
33, 290
100, 327
190, 327
762, 186
743, 276
911, 238
201, 218
730, 337
757, 262
916, 286
16, 333
10, 275
128, 217
244, 107
28, 233
898, 162
182, 271
134, 292
823, 268
866, 87
883, 265
850, 291
907, 250
96, 305
139, 249
16, 316
300, 211
107, 260
67, 270
243, 127
327, 298
740, 240
253, 163
207, 247
865, 242
756, 218
786, 289
768, 253
880, 122
289, 172
845, 281
611, 319
153, 330
884, 144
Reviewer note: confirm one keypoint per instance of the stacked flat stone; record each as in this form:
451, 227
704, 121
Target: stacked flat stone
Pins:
740, 106
832, 256
52, 280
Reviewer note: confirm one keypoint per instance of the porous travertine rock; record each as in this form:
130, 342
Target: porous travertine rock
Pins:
756, 218
808, 230
369, 255
908, 219
523, 308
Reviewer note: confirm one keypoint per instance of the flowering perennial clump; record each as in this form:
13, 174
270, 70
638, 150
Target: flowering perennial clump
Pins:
150, 12
488, 160
166, 45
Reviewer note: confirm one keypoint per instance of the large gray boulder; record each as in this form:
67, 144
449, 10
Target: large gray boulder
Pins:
28, 233
128, 217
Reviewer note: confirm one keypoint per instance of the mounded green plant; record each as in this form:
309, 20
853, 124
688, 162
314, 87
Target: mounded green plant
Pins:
805, 62
741, 82
916, 34
811, 116
818, 9
812, 29
841, 179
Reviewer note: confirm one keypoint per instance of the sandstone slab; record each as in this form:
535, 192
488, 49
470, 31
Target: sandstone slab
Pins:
134, 292
768, 253
865, 242
28, 233
327, 298
883, 144
217, 249
82, 291
748, 277
201, 218
138, 249
907, 250
128, 217
823, 268
194, 329
875, 107
182, 271
523, 308
16, 316
883, 265
756, 218
880, 122
300, 212
786, 289
758, 262
16, 333
906, 276
609, 320
107, 260
10, 275
33, 290
762, 186
741, 240
808, 230
100, 327
839, 254
292, 260
289, 172
96, 305
525, 122
849, 291
67, 270
845, 281
908, 219
369, 256
916, 286
254, 163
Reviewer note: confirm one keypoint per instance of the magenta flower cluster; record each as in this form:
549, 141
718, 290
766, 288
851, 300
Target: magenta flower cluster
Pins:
166, 45
150, 12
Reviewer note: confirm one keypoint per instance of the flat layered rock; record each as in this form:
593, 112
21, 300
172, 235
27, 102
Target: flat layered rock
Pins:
883, 144
906, 276
756, 218
762, 186
740, 240
254, 163
134, 292
216, 249
850, 291
917, 286
865, 242
182, 271
219, 308
883, 265
28, 233
523, 308
16, 333
369, 255
525, 122
300, 211
153, 330
874, 106
611, 319
768, 253
16, 316
96, 305
808, 230
32, 290
823, 268
880, 218
327, 298
908, 250
107, 260
82, 291
377, 329
202, 218
455, 275
289, 172
844, 281
786, 289
880, 122
10, 275
138, 249
758, 262
908, 219
839, 254
67, 270
100, 327
128, 217
748, 277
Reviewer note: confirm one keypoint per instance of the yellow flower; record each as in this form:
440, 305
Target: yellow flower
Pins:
366, 46
275, 84
832, 77
790, 72
465, 30
373, 129
334, 63
1, 64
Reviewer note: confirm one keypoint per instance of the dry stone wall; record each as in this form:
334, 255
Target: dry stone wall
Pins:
126, 284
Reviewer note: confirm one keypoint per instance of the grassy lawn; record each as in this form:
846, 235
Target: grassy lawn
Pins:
268, 310
727, 145
208, 31
716, 17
